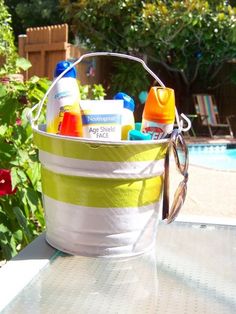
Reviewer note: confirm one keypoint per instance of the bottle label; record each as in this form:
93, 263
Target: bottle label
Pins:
157, 130
71, 108
63, 97
63, 94
102, 119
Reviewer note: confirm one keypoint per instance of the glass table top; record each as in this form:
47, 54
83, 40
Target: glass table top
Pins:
191, 270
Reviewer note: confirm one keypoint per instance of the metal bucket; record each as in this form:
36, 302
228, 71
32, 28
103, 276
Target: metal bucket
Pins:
100, 198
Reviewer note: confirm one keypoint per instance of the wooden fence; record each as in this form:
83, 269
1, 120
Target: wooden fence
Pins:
45, 46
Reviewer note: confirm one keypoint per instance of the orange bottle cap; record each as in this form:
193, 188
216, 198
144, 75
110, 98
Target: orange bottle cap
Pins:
160, 105
71, 124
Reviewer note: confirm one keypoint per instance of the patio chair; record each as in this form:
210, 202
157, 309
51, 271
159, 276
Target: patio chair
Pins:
207, 111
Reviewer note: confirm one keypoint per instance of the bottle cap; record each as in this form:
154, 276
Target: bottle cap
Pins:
62, 66
71, 124
142, 96
128, 101
160, 105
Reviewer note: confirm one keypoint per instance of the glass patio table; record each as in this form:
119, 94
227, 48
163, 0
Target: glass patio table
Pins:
192, 269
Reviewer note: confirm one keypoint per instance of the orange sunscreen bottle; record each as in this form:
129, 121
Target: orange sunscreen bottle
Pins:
159, 112
71, 124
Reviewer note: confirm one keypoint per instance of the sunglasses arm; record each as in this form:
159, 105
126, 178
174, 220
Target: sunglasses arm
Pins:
166, 189
170, 214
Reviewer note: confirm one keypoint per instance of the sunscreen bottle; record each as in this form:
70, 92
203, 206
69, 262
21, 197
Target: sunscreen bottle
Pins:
63, 97
159, 112
71, 124
102, 119
127, 120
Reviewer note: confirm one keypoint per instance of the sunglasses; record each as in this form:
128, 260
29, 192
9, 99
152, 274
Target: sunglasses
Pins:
180, 152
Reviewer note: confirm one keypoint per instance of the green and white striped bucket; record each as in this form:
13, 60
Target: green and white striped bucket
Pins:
100, 198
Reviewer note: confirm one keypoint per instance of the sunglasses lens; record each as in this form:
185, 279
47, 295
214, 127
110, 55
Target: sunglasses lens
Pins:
181, 153
179, 199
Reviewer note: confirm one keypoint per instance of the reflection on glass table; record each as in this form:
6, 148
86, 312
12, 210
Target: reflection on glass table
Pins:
191, 270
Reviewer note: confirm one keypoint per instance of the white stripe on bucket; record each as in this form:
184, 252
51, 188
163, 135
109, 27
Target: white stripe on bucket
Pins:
101, 169
100, 231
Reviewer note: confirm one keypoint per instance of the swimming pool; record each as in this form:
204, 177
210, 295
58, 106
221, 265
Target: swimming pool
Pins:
213, 156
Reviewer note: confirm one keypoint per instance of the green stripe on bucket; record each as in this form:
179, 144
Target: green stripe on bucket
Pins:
97, 192
99, 152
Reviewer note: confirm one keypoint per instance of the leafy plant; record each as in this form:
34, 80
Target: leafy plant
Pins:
17, 64
7, 46
95, 91
11, 63
21, 208
129, 77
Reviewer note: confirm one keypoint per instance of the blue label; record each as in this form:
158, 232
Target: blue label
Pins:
63, 94
101, 119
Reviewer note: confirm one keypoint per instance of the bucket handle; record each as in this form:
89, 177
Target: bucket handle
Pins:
39, 105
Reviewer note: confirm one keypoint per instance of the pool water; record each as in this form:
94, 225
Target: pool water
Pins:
220, 157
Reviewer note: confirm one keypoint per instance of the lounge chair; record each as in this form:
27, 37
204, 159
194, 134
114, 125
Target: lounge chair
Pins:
207, 111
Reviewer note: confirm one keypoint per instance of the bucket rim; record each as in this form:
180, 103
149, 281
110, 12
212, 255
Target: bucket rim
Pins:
36, 128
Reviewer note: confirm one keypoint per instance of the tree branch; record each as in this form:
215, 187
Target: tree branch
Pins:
183, 75
213, 75
226, 81
195, 72
92, 30
176, 33
164, 64
170, 69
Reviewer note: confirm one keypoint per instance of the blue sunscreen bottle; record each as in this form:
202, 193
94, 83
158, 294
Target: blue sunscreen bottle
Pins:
127, 121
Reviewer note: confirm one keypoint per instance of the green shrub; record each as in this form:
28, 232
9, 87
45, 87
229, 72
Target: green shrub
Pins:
21, 208
7, 47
